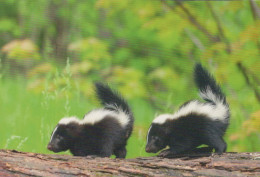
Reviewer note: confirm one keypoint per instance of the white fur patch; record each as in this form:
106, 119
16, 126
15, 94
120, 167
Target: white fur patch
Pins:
220, 111
162, 118
96, 116
147, 137
208, 94
99, 114
67, 120
53, 133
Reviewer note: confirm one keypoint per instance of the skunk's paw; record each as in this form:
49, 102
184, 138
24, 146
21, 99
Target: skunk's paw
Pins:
166, 153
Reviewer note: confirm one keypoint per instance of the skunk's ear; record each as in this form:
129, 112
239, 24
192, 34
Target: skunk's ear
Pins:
73, 129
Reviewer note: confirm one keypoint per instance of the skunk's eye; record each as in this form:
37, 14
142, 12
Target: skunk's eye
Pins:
59, 137
155, 138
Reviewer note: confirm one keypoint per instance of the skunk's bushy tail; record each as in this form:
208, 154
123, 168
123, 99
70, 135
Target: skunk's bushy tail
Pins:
209, 90
111, 99
114, 101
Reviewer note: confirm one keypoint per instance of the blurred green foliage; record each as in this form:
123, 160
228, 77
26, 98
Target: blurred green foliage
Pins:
53, 50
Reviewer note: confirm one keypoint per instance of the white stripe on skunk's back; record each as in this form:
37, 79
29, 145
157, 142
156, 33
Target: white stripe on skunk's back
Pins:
219, 111
67, 120
98, 115
162, 118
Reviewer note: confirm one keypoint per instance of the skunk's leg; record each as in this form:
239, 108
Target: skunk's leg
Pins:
217, 143
200, 150
106, 149
177, 149
120, 152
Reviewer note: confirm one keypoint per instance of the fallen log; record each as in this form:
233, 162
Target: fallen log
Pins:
14, 163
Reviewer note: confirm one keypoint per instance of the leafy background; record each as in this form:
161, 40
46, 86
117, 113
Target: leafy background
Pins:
51, 52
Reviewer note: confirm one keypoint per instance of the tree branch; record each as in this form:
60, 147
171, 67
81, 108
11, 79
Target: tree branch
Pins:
195, 40
193, 20
13, 163
245, 74
256, 14
255, 9
219, 27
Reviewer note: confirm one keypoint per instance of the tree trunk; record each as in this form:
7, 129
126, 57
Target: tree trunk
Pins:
13, 163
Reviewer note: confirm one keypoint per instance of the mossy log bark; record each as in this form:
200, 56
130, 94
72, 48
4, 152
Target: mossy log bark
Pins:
13, 163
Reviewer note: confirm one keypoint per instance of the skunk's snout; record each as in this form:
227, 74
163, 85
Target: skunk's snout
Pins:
147, 149
151, 148
49, 147
53, 148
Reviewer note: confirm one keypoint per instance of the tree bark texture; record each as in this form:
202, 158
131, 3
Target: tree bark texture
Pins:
14, 163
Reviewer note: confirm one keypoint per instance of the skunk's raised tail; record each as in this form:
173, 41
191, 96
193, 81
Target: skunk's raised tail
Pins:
111, 99
211, 92
115, 102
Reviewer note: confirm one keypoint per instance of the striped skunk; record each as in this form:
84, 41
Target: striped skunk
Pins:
103, 132
195, 123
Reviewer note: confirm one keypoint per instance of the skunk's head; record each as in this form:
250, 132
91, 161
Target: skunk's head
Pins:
64, 135
156, 138
158, 134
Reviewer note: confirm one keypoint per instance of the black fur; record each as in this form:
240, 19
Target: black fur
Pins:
189, 131
104, 138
